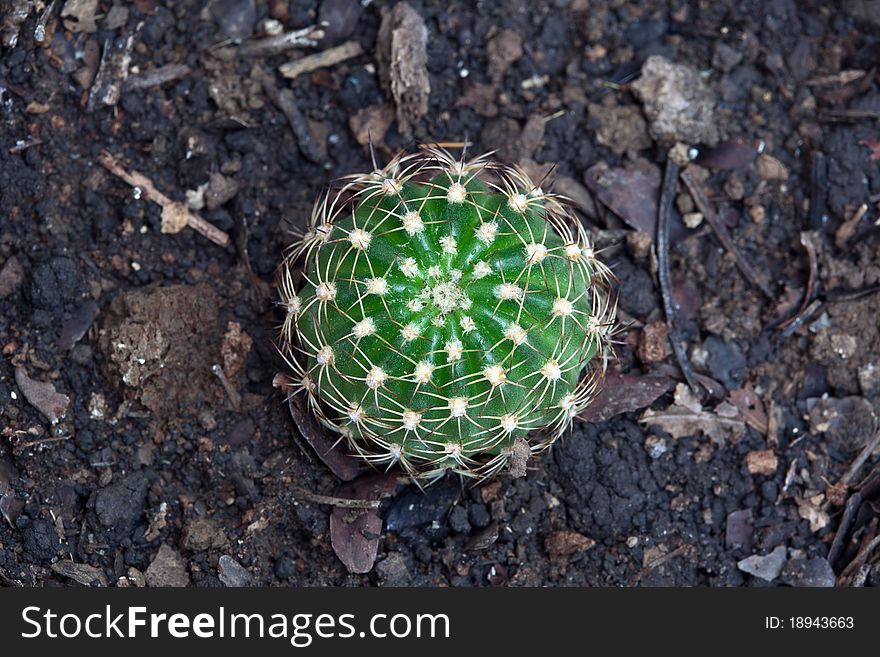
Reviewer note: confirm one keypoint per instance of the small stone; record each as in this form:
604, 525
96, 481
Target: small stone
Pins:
80, 572
763, 462
478, 515
221, 189
232, 573
42, 396
734, 188
725, 362
739, 529
652, 343
757, 213
11, 276
235, 18
656, 446
765, 567
167, 569
639, 244
848, 422
724, 57
115, 18
680, 154
620, 128
202, 534
122, 503
677, 101
815, 572
869, 380
684, 203
393, 571
692, 219
503, 49
769, 168
458, 520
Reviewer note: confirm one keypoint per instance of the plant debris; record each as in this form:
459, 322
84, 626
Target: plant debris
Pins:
175, 216
323, 59
42, 396
354, 533
402, 55
686, 417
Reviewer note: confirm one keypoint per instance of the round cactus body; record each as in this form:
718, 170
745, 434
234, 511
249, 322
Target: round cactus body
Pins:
448, 313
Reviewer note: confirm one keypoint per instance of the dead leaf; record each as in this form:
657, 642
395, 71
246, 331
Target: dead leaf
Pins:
371, 124
354, 533
560, 544
682, 421
80, 573
14, 14
751, 407
623, 393
329, 449
42, 396
633, 194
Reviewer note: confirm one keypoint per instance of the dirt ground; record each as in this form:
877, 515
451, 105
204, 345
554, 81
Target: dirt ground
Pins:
127, 460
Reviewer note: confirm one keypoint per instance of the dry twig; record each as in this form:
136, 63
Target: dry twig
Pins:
723, 234
175, 215
667, 193
323, 59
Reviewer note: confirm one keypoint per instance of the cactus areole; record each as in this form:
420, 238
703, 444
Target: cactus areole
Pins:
443, 314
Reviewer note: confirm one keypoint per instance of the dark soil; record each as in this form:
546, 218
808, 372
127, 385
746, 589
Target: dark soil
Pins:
155, 451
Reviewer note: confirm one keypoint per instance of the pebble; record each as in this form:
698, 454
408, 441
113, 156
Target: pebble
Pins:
739, 529
202, 534
232, 573
478, 515
121, 504
167, 569
769, 168
11, 276
869, 380
416, 508
235, 18
393, 571
815, 572
766, 567
678, 103
725, 58
725, 362
458, 520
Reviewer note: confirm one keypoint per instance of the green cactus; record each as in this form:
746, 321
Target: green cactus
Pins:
447, 312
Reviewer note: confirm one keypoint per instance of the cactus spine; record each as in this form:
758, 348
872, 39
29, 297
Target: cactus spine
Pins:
447, 311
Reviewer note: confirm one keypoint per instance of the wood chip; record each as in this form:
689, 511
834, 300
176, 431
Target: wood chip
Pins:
762, 462
323, 59
402, 55
42, 396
